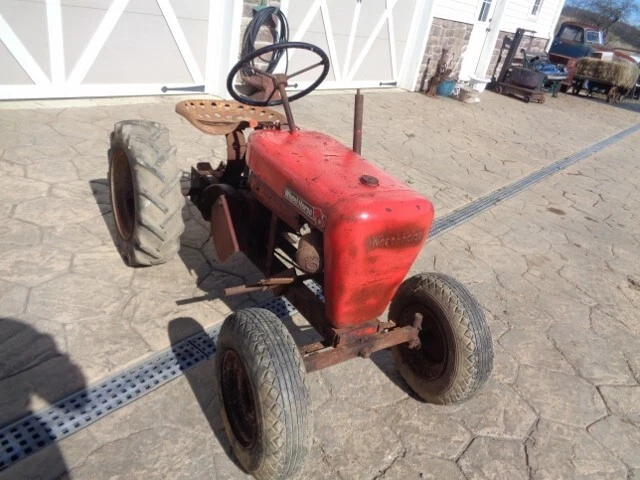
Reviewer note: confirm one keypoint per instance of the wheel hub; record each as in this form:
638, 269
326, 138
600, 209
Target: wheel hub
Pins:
123, 195
238, 399
431, 356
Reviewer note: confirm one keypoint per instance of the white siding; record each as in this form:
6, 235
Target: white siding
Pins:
463, 11
517, 14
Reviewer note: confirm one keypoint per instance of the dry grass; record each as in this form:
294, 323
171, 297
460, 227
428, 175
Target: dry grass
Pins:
620, 73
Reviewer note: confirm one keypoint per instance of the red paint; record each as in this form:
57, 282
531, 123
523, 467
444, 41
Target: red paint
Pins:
372, 235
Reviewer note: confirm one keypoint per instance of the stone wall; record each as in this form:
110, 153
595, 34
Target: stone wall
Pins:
444, 34
531, 45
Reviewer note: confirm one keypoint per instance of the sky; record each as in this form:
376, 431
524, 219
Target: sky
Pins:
635, 19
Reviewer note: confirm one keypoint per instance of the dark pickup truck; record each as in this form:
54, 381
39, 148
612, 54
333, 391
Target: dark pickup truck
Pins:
576, 40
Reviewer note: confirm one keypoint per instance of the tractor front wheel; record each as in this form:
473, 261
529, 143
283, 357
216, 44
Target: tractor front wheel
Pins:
146, 199
455, 356
266, 407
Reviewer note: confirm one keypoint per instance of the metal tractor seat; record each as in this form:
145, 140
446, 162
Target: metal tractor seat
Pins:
220, 117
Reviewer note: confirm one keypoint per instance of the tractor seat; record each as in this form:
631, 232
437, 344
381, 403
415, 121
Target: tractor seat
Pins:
219, 117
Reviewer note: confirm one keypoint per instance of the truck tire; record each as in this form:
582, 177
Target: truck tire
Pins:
455, 358
146, 198
266, 407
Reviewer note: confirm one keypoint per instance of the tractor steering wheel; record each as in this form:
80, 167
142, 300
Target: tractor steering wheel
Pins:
246, 65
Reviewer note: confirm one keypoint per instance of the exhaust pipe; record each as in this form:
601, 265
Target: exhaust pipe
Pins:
357, 122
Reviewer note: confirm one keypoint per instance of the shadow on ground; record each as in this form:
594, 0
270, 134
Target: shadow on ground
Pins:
31, 365
211, 278
203, 381
629, 105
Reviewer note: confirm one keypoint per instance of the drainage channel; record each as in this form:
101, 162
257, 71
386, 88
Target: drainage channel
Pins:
65, 417
81, 409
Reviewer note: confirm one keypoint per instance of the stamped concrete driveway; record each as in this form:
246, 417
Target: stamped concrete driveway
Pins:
556, 269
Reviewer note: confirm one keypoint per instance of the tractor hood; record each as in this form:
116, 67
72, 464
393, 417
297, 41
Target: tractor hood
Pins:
374, 225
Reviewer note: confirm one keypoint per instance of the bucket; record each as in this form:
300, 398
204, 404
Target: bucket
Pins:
446, 88
478, 84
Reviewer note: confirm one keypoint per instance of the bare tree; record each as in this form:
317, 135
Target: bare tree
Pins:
605, 13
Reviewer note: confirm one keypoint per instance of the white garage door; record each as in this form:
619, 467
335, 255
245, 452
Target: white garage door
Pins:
366, 40
80, 48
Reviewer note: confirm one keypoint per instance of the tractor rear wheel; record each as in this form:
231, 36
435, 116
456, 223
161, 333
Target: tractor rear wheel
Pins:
266, 407
146, 199
455, 357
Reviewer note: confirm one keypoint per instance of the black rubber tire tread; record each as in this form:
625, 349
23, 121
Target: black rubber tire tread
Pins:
471, 355
277, 375
157, 192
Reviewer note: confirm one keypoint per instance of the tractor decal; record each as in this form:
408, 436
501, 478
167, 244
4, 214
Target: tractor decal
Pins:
313, 213
395, 240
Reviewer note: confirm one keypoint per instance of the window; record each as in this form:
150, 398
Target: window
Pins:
572, 34
536, 8
593, 37
484, 10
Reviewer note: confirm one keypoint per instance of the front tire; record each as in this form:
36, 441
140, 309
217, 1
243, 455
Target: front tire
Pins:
146, 198
455, 358
266, 407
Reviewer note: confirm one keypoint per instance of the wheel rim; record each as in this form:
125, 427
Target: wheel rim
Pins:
122, 195
238, 400
432, 357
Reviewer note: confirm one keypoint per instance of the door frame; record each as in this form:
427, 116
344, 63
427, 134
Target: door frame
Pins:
492, 37
477, 39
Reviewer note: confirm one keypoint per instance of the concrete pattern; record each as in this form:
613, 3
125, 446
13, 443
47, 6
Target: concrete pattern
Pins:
555, 268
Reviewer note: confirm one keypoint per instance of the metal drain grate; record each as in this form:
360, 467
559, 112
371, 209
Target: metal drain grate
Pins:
65, 417
484, 203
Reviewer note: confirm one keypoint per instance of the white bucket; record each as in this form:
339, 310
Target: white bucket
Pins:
478, 84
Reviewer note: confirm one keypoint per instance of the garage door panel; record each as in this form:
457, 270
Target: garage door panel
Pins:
134, 6
371, 12
140, 49
114, 47
193, 9
376, 65
195, 32
12, 73
28, 20
365, 39
403, 12
79, 24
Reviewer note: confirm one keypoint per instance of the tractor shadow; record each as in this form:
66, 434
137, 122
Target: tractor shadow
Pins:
202, 381
197, 253
383, 359
629, 105
212, 277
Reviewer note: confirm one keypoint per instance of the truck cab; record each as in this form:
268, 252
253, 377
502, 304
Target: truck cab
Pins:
576, 40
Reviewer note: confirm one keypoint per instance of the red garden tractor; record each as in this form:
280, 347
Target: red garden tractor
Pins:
331, 233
